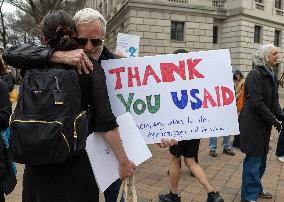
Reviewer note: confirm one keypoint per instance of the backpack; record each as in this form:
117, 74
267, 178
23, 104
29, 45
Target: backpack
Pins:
241, 98
48, 126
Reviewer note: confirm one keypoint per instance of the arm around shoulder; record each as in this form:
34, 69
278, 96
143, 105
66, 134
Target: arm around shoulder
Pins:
27, 56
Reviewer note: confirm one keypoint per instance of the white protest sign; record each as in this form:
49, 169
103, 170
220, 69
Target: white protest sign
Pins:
128, 45
103, 161
181, 96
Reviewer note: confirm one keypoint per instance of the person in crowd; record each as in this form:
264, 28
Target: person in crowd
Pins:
5, 112
189, 150
261, 111
239, 82
227, 149
181, 50
91, 28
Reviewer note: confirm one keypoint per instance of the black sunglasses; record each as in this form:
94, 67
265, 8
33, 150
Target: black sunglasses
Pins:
83, 41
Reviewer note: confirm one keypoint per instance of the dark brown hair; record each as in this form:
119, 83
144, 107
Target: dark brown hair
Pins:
58, 27
180, 50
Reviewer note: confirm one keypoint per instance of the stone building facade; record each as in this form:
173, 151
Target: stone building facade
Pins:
165, 25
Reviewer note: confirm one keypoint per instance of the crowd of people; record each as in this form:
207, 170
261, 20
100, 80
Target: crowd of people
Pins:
80, 45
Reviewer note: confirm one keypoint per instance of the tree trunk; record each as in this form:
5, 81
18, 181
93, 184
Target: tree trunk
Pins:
3, 34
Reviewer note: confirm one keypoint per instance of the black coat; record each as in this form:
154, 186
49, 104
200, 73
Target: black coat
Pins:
5, 106
261, 111
9, 79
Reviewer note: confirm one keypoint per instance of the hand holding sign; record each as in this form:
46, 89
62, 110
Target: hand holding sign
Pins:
166, 142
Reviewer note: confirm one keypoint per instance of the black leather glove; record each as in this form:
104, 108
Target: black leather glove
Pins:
278, 126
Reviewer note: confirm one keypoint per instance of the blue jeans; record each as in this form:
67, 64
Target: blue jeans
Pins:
111, 193
280, 143
253, 170
213, 143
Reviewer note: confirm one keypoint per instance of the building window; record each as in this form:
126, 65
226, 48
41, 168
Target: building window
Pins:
259, 4
215, 34
257, 32
177, 31
277, 36
278, 4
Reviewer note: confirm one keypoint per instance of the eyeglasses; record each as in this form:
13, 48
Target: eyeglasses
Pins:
83, 41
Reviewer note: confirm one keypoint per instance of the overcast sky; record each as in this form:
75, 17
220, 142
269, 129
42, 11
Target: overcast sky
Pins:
8, 8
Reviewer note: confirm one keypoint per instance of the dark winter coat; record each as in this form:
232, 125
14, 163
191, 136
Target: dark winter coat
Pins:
261, 111
9, 79
5, 106
5, 111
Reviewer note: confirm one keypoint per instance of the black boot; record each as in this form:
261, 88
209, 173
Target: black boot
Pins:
214, 197
169, 197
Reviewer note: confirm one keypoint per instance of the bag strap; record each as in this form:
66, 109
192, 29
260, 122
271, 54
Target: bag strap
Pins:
128, 189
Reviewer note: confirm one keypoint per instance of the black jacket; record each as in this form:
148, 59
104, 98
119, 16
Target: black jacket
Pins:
9, 79
5, 106
93, 86
260, 112
29, 56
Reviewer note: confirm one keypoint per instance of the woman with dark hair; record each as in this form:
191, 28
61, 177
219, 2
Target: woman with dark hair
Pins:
239, 83
97, 104
189, 150
73, 180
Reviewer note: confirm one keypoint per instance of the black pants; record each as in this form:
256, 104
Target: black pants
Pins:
236, 142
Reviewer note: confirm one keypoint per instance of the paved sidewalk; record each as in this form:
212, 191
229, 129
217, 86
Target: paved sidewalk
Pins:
224, 173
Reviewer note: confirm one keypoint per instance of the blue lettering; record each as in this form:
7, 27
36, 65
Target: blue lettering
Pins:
198, 103
182, 103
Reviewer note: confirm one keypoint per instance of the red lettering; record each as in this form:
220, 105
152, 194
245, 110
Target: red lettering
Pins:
208, 97
149, 71
218, 95
191, 69
167, 70
228, 95
117, 71
131, 76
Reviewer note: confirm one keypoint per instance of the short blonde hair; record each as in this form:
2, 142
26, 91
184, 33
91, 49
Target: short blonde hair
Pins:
261, 56
89, 15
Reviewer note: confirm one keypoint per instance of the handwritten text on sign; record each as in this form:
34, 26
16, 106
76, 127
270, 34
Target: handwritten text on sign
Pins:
184, 96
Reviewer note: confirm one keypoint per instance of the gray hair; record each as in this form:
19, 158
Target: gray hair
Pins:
89, 15
261, 55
